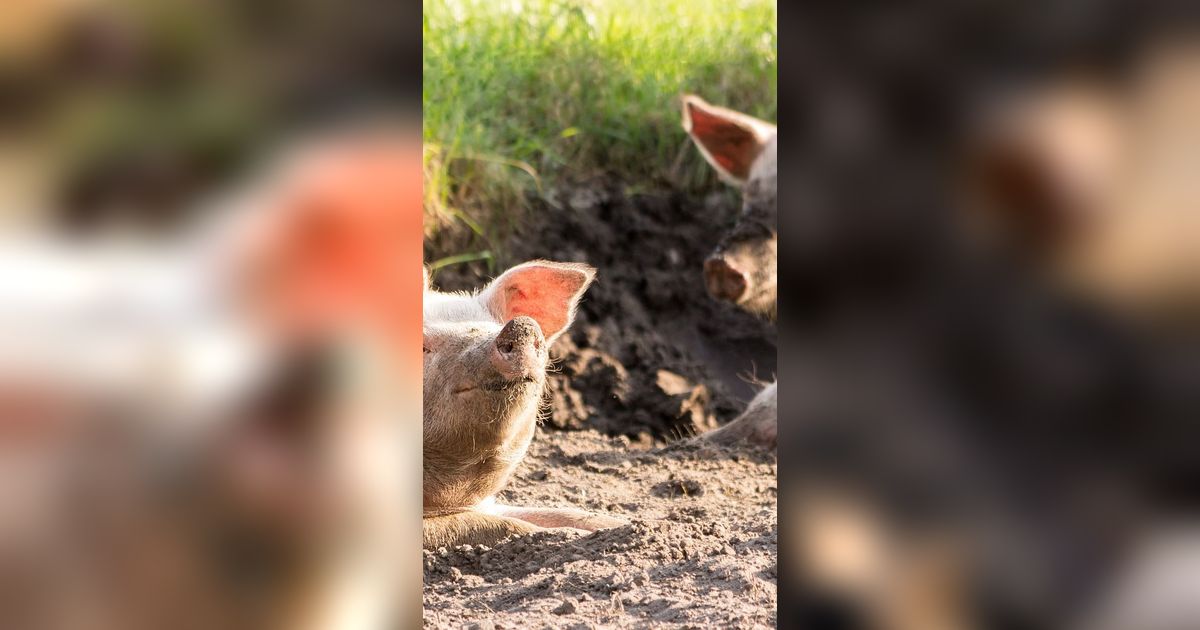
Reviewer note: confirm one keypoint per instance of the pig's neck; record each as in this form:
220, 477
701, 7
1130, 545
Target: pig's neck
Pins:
470, 478
498, 467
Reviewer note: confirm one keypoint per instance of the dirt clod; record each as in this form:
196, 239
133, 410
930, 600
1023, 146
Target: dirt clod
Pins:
673, 488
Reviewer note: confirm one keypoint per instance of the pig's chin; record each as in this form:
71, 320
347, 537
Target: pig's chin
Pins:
500, 387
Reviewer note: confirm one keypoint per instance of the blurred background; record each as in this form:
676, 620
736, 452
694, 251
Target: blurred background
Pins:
988, 297
130, 109
182, 442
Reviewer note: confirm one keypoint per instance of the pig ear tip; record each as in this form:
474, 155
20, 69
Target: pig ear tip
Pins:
588, 271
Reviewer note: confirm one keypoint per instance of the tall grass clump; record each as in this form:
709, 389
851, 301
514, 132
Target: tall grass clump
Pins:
519, 94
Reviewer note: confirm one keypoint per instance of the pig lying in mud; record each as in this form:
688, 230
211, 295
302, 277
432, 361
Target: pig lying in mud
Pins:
742, 268
484, 373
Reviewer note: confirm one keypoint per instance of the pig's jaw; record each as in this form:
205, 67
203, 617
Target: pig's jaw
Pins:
482, 461
471, 456
498, 385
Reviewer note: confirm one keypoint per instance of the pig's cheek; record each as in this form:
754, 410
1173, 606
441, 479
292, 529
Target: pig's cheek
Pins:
429, 372
763, 257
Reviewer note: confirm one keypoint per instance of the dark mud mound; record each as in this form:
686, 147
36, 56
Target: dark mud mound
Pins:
650, 355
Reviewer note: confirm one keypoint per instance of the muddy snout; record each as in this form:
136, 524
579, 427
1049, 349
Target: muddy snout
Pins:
725, 281
519, 349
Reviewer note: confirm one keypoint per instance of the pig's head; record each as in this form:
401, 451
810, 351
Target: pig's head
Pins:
485, 368
742, 149
1089, 180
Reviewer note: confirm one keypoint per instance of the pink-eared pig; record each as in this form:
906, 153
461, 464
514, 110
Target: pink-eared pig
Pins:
485, 371
742, 268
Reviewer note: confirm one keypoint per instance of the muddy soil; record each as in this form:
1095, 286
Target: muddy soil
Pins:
650, 359
700, 549
651, 356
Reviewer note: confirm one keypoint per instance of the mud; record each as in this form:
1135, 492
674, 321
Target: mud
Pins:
651, 356
700, 548
650, 359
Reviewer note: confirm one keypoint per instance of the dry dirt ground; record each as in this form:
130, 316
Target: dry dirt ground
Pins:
650, 359
700, 549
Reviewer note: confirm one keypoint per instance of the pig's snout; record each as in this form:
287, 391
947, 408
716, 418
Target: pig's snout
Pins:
518, 349
724, 280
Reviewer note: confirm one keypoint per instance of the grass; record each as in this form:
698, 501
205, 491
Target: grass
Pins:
521, 94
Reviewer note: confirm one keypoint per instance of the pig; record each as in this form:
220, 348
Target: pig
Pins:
484, 375
186, 440
742, 149
1089, 180
742, 268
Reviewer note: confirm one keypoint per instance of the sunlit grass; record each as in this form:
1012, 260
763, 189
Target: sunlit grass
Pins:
520, 94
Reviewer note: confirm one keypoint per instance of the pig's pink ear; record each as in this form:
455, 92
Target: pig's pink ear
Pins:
729, 140
546, 291
1040, 168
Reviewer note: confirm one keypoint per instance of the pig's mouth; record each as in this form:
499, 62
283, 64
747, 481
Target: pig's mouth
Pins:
497, 385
